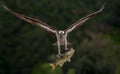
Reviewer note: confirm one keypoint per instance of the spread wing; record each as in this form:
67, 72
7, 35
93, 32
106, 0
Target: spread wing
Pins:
82, 20
31, 20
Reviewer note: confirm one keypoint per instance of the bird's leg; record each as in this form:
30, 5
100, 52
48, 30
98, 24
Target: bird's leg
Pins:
58, 44
59, 54
65, 38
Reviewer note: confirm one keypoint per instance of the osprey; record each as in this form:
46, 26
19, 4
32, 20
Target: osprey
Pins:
61, 35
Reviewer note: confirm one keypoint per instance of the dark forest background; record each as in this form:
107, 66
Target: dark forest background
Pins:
26, 49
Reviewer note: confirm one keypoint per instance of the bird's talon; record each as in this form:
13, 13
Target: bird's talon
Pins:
59, 55
66, 49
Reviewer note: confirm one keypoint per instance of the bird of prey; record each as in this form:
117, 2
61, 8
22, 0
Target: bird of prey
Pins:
61, 35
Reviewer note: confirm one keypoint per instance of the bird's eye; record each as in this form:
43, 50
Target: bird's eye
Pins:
59, 32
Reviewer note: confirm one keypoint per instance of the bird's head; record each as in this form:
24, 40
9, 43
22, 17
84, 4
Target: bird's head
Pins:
61, 32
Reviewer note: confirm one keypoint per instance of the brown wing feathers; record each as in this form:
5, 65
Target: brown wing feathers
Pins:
82, 20
31, 20
49, 28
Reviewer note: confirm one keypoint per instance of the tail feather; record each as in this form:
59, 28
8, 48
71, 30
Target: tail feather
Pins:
53, 66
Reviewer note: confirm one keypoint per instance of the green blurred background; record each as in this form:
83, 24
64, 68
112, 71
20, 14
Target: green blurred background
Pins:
26, 49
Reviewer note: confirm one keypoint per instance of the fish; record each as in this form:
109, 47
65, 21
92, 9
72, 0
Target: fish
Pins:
63, 58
